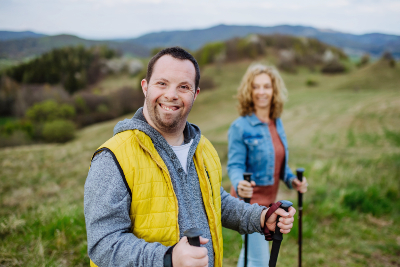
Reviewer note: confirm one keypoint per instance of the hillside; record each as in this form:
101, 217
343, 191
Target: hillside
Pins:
18, 49
347, 139
11, 35
373, 43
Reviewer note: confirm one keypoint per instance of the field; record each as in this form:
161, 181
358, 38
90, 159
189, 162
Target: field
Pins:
345, 131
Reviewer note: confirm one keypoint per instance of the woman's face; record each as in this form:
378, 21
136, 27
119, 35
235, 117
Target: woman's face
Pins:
262, 91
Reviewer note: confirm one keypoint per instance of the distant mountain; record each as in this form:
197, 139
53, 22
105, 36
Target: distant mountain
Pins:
9, 35
21, 48
373, 43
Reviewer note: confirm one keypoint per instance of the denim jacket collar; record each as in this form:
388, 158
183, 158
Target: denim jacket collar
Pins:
253, 119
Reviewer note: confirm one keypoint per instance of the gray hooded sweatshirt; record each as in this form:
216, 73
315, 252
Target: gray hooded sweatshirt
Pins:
107, 203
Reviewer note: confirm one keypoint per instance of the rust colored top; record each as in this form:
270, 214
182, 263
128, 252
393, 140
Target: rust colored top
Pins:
265, 195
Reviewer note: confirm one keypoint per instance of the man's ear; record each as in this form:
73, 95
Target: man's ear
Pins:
144, 85
196, 93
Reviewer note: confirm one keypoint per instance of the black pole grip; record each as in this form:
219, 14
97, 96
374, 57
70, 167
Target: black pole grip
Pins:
299, 172
285, 205
247, 177
193, 235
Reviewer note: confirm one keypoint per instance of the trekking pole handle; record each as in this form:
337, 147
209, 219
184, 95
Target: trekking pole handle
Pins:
193, 235
285, 205
247, 177
299, 172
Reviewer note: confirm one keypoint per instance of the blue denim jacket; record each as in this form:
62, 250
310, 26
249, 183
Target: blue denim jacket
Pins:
250, 149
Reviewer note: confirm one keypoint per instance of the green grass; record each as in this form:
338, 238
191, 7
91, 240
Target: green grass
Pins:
347, 139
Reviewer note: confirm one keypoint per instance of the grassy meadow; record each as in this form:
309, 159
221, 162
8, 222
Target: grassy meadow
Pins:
345, 132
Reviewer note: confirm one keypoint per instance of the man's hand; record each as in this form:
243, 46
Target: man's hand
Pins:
245, 189
300, 186
285, 221
185, 255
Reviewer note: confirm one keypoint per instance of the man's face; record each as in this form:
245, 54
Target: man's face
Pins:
170, 94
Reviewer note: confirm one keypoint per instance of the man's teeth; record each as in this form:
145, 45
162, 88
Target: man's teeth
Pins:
167, 108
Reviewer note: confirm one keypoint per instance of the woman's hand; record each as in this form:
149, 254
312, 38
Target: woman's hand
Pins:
245, 189
300, 186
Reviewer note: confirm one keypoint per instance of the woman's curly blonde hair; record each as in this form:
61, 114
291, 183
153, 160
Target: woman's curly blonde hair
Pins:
244, 95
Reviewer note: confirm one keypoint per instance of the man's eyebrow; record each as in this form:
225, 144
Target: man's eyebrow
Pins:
185, 82
161, 79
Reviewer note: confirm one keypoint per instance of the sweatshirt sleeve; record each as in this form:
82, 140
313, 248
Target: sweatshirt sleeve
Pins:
106, 205
240, 216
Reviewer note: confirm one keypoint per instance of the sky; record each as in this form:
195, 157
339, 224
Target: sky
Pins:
107, 19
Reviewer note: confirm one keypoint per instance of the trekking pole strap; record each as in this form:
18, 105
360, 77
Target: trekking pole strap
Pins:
272, 208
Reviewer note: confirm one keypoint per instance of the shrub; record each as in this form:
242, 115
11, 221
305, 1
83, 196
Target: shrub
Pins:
92, 108
388, 57
333, 67
87, 102
311, 82
58, 131
363, 61
50, 110
21, 125
209, 53
206, 83
126, 100
73, 67
288, 66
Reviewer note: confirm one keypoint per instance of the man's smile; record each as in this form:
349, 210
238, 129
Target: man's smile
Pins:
169, 108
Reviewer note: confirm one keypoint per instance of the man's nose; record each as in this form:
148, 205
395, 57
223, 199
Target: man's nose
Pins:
171, 92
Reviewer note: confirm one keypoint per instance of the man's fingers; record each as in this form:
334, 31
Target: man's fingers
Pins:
199, 252
285, 231
285, 226
186, 255
281, 212
292, 211
203, 240
285, 221
199, 262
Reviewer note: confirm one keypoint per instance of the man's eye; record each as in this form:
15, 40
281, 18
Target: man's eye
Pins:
161, 83
185, 87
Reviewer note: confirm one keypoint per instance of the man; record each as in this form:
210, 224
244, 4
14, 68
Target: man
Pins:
158, 176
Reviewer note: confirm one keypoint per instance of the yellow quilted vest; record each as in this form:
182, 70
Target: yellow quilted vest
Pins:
154, 207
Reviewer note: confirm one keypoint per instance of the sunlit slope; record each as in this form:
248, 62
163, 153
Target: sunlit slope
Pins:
347, 138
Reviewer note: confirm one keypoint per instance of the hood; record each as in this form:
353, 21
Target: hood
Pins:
139, 122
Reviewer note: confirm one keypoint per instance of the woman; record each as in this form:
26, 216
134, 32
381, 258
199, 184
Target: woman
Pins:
257, 144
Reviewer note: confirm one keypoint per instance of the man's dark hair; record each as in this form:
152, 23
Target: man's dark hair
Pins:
178, 53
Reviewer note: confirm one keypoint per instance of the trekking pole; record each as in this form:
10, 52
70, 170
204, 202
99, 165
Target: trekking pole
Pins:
299, 173
193, 235
278, 236
247, 177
